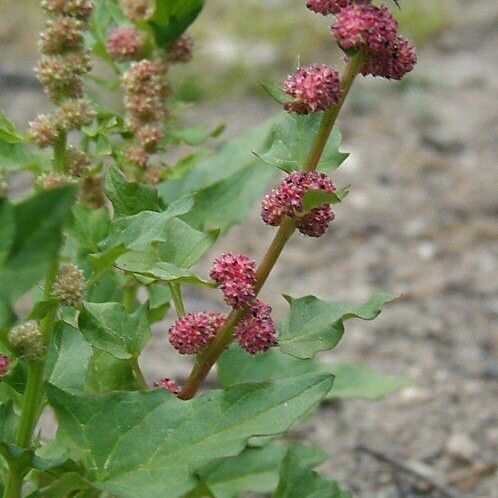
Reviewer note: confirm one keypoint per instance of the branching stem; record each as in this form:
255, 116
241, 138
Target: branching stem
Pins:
209, 357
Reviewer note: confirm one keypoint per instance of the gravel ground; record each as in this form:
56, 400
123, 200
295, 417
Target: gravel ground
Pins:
420, 222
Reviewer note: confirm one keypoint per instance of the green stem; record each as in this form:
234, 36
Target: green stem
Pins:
139, 374
130, 297
209, 357
32, 402
60, 153
176, 294
330, 117
13, 488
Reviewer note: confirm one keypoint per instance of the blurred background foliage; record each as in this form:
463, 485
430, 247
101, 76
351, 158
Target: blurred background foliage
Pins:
244, 43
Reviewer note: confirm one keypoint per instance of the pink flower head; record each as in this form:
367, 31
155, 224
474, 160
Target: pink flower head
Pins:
137, 156
257, 332
144, 77
4, 365
149, 137
314, 88
168, 384
399, 59
327, 7
365, 25
286, 200
125, 44
62, 34
182, 50
236, 275
193, 332
43, 131
80, 9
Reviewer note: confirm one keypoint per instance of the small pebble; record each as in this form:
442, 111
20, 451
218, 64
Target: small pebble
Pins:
461, 447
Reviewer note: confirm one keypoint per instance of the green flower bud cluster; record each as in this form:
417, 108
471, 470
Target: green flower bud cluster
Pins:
27, 341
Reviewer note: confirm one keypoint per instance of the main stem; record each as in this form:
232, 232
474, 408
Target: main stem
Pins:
209, 357
32, 403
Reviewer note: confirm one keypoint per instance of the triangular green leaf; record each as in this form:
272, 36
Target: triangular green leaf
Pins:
313, 325
109, 327
107, 432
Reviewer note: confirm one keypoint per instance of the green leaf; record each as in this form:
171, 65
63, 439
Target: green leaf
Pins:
313, 325
145, 264
318, 198
42, 308
102, 261
107, 373
107, 14
8, 422
229, 159
19, 156
130, 198
351, 381
255, 470
171, 239
109, 327
229, 202
107, 432
38, 235
172, 17
196, 135
276, 92
292, 138
89, 226
8, 132
355, 381
298, 481
68, 358
159, 302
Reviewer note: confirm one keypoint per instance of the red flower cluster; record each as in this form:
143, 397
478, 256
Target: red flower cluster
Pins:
145, 88
327, 7
286, 200
193, 332
313, 88
169, 385
4, 365
182, 50
125, 44
390, 55
257, 332
236, 275
62, 64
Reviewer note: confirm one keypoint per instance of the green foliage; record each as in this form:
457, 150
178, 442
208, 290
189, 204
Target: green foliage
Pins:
254, 470
226, 183
33, 231
68, 358
298, 481
172, 17
135, 233
107, 432
109, 327
130, 198
291, 140
351, 381
313, 325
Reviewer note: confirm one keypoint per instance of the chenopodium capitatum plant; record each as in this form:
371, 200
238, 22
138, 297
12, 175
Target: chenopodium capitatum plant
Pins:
104, 246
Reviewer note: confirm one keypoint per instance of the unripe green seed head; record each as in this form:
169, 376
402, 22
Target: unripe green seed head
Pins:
26, 339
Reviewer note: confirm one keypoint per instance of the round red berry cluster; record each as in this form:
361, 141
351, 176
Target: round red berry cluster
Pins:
257, 332
313, 88
236, 276
4, 365
193, 332
167, 384
287, 198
